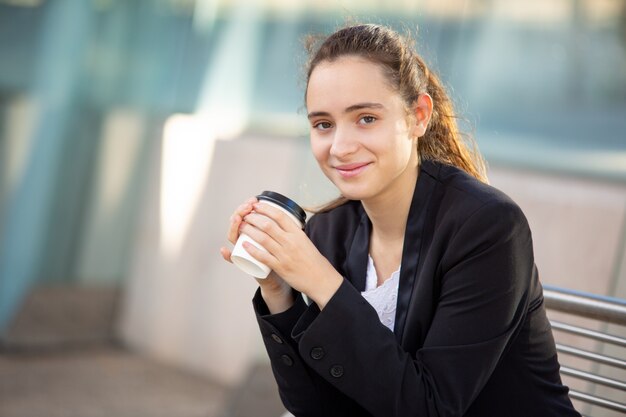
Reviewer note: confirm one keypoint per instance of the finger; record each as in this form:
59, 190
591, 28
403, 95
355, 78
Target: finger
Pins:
236, 219
262, 256
244, 209
233, 229
269, 227
249, 202
260, 236
226, 253
279, 216
262, 222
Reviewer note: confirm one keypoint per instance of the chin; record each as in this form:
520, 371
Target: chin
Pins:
355, 192
354, 189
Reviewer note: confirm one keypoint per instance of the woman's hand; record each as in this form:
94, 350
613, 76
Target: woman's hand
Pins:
290, 253
235, 224
275, 291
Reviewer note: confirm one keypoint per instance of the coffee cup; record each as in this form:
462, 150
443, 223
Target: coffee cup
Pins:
241, 257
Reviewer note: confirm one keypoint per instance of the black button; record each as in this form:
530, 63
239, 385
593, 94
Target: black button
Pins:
317, 353
336, 371
287, 360
277, 338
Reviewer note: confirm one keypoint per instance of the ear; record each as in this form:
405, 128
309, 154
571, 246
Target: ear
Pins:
422, 110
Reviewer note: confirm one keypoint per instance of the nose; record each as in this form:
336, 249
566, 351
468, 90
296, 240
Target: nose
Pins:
344, 143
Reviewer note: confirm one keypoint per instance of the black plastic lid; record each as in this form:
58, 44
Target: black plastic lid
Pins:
285, 203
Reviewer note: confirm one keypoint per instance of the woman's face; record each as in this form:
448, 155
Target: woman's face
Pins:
361, 134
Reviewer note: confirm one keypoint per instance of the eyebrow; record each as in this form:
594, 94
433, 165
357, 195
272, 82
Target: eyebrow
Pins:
354, 107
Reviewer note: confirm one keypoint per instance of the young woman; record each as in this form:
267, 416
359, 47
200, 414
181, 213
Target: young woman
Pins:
425, 299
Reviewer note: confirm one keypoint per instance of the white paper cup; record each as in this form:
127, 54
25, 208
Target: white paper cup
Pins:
241, 257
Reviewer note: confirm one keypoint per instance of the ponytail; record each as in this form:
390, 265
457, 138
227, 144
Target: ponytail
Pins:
443, 142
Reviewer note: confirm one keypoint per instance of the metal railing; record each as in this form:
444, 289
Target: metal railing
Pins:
606, 310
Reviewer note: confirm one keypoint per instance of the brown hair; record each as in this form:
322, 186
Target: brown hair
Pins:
410, 76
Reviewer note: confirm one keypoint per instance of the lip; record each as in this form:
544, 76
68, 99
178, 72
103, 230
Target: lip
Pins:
351, 170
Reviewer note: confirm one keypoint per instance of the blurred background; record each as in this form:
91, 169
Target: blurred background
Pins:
130, 130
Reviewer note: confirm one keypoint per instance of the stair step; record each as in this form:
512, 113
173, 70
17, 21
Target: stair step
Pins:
62, 317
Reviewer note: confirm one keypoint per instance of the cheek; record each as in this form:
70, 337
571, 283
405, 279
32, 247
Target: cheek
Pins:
405, 137
320, 150
409, 148
402, 150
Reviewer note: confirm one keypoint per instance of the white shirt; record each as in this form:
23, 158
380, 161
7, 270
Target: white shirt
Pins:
383, 298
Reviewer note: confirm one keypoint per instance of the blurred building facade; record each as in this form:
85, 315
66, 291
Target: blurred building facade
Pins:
129, 130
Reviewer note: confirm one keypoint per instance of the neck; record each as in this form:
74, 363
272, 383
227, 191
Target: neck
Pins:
389, 211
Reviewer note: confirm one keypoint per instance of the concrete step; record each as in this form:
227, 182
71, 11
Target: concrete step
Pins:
257, 396
60, 316
102, 381
60, 357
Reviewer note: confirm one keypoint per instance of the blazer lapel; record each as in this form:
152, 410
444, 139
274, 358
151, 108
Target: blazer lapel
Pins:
356, 261
412, 244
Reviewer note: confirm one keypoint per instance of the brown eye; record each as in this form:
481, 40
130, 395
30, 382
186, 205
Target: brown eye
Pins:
366, 120
322, 125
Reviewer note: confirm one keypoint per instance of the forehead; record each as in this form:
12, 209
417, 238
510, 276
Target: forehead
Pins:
348, 80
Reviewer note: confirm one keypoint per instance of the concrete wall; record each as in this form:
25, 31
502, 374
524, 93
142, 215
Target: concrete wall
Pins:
578, 227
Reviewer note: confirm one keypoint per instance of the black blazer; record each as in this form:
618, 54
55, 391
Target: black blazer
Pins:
471, 336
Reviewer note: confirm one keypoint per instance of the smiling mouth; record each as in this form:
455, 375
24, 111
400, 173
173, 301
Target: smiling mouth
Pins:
351, 170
